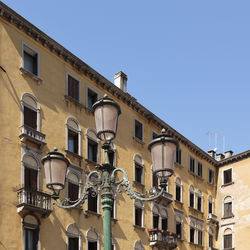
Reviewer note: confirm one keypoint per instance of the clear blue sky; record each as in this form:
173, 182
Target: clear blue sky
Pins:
188, 61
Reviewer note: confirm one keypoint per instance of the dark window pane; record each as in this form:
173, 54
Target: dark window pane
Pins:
92, 98
178, 193
164, 224
155, 221
228, 176
211, 176
154, 135
111, 155
192, 231
228, 241
73, 88
138, 173
73, 191
138, 216
210, 241
178, 230
210, 207
30, 117
73, 244
92, 203
199, 170
191, 164
92, 150
30, 62
73, 141
138, 130
155, 181
199, 237
30, 239
30, 179
92, 245
191, 199
199, 203
178, 156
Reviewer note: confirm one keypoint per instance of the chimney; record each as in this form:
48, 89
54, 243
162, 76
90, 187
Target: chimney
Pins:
220, 157
228, 154
212, 153
120, 80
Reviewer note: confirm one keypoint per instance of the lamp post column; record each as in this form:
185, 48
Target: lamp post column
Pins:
107, 203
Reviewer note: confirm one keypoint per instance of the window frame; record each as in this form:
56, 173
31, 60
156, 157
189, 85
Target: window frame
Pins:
179, 220
208, 176
228, 199
135, 137
88, 135
225, 233
199, 163
199, 195
28, 47
180, 186
191, 158
90, 239
71, 170
87, 88
223, 176
178, 157
77, 130
193, 193
67, 87
140, 164
69, 234
139, 205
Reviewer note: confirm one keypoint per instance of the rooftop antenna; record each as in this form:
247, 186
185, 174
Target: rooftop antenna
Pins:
224, 142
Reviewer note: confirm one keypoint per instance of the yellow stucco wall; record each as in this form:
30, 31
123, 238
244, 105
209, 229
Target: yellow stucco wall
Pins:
55, 110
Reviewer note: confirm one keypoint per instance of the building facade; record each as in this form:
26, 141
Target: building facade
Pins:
46, 95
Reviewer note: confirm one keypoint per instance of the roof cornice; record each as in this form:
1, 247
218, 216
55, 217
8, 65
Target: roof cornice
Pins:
21, 23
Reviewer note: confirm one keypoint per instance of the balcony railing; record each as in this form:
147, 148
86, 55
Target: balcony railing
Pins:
162, 238
34, 201
30, 134
212, 218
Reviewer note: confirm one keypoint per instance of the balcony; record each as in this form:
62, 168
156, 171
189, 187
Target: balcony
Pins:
166, 198
212, 218
29, 134
34, 201
162, 239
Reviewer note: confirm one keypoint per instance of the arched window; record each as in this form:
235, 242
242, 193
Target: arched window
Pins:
191, 196
210, 204
210, 237
192, 231
112, 154
178, 224
138, 245
164, 219
30, 112
30, 232
228, 239
178, 189
92, 146
74, 237
31, 172
139, 213
228, 207
199, 201
93, 199
138, 169
156, 216
92, 239
73, 135
73, 178
200, 234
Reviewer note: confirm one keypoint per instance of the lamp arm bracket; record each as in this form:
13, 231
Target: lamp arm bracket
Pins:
90, 187
149, 195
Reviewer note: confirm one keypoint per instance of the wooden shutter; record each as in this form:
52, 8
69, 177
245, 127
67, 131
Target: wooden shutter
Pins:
30, 180
73, 88
73, 191
30, 117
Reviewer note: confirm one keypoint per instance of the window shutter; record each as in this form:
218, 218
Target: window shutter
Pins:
30, 117
73, 190
30, 180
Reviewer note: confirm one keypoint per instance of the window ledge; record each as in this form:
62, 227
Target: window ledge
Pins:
196, 210
210, 183
200, 177
180, 239
93, 163
195, 244
114, 220
178, 202
192, 173
138, 140
74, 154
179, 165
227, 184
89, 212
139, 227
26, 72
136, 183
76, 102
227, 217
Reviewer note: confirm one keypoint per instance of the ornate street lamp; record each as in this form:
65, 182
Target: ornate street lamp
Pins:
106, 112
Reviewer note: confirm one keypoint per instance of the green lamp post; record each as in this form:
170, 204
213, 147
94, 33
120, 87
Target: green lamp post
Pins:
106, 112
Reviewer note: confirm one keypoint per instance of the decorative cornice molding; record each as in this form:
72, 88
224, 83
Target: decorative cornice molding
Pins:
15, 19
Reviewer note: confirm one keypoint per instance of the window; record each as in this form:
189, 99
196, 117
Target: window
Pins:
138, 213
138, 245
210, 204
195, 231
178, 156
192, 233
93, 203
227, 176
30, 60
199, 169
92, 97
30, 232
228, 239
92, 239
154, 135
210, 176
112, 154
178, 189
138, 130
30, 112
72, 87
31, 170
164, 219
191, 196
199, 237
228, 202
199, 201
139, 169
74, 237
191, 164
92, 146
73, 136
178, 225
73, 186
210, 237
156, 217
160, 217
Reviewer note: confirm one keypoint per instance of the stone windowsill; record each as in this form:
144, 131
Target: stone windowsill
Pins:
92, 163
139, 227
227, 184
139, 184
31, 75
89, 212
73, 154
76, 102
138, 140
179, 165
